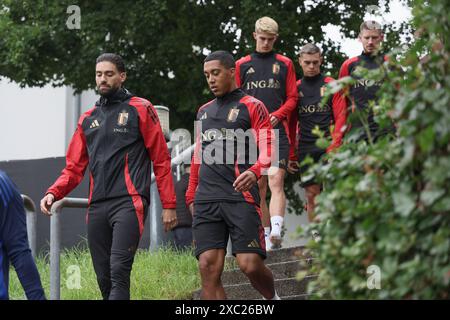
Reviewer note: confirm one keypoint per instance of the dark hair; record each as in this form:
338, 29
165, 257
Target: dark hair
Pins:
225, 58
114, 59
310, 48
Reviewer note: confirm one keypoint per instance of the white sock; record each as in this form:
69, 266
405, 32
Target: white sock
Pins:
266, 231
277, 223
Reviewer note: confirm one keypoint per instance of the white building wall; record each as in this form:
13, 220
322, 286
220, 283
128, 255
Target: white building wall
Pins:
38, 122
32, 122
76, 105
88, 99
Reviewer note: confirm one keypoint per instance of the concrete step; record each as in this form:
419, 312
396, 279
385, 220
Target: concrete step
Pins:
274, 256
280, 270
284, 287
285, 254
287, 287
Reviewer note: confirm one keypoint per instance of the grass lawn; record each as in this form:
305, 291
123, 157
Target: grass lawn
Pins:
164, 274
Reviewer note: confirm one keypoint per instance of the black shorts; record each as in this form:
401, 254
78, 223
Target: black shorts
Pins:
282, 146
316, 154
215, 221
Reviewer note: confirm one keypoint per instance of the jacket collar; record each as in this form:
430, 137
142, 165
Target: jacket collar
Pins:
264, 55
120, 95
230, 95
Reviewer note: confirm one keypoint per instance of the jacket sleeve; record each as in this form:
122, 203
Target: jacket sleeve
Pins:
291, 95
195, 167
339, 105
159, 154
76, 162
263, 133
340, 119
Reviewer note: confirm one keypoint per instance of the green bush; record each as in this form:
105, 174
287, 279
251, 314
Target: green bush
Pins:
387, 204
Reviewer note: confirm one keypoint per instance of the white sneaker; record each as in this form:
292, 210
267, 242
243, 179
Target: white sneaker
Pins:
275, 240
315, 235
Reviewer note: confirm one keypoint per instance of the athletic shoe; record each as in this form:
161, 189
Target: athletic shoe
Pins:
275, 240
315, 235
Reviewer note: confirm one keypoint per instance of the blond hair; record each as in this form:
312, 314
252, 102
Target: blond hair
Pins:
266, 24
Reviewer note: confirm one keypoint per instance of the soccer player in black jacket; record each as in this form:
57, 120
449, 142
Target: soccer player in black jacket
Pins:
313, 113
223, 191
118, 139
270, 77
358, 99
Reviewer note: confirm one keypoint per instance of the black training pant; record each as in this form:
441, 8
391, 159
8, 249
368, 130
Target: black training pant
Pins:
114, 230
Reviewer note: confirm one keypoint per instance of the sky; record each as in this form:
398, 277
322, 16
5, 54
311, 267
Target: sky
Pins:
352, 47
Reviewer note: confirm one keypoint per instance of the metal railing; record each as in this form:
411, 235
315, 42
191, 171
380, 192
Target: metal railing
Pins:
156, 229
183, 157
30, 210
55, 241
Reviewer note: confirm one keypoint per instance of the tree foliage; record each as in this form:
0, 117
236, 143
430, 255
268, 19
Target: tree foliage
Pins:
162, 42
387, 204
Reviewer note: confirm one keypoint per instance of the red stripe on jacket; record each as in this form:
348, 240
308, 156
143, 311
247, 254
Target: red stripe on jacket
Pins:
195, 164
340, 118
263, 133
289, 105
137, 201
157, 150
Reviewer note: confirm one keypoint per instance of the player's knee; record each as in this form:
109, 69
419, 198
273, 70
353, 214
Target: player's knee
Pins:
121, 262
311, 193
276, 183
250, 265
208, 267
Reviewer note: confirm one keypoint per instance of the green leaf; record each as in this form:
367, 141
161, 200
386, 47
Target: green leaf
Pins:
428, 197
323, 143
426, 139
404, 203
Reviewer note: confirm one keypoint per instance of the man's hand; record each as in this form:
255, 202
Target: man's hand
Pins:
245, 181
292, 167
169, 218
191, 209
46, 204
274, 120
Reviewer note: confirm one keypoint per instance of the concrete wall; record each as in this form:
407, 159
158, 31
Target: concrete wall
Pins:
32, 122
38, 123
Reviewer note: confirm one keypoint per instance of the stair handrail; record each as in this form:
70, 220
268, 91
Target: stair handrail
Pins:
31, 216
55, 241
